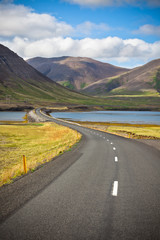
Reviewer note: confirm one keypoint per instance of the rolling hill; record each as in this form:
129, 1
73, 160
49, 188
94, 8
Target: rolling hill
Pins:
22, 87
21, 82
74, 72
141, 80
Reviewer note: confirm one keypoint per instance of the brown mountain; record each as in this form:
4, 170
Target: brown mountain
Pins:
21, 82
140, 80
74, 72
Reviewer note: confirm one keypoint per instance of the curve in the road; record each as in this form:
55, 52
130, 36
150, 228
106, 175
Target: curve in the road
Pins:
107, 188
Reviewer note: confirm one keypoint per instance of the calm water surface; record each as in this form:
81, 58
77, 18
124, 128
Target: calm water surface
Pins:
140, 117
12, 116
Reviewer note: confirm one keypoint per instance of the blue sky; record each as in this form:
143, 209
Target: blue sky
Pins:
121, 32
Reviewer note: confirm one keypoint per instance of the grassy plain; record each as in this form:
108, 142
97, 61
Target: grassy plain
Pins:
39, 142
147, 132
137, 131
147, 101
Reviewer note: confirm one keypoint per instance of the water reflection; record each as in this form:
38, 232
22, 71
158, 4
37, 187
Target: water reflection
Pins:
142, 117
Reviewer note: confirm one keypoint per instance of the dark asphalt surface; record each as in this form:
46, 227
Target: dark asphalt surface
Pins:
72, 196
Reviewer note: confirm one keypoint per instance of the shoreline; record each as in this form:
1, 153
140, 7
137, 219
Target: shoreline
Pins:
87, 122
127, 130
71, 108
128, 133
116, 124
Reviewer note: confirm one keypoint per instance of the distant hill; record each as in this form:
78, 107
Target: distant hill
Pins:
23, 87
75, 72
141, 80
21, 82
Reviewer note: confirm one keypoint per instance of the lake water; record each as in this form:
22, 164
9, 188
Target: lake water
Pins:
12, 116
137, 117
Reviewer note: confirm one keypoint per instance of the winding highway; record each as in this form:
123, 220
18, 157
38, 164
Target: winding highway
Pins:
107, 188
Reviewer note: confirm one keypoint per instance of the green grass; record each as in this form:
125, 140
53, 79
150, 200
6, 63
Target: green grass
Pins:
48, 95
67, 84
83, 85
111, 84
132, 103
156, 80
127, 93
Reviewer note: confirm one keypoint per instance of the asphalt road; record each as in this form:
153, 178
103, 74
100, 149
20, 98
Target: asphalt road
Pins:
106, 188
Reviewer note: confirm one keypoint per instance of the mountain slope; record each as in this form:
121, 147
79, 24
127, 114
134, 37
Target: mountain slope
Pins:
21, 82
21, 87
139, 80
74, 72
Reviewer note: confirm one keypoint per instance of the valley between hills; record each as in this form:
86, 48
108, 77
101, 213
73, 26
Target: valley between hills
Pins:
76, 84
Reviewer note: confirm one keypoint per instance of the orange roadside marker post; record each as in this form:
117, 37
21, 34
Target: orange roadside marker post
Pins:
24, 164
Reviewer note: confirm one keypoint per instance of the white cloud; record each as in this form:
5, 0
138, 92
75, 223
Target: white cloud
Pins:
88, 28
30, 35
97, 3
148, 29
106, 49
91, 3
21, 21
18, 20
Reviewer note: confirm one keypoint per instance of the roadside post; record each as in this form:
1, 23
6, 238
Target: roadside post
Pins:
24, 164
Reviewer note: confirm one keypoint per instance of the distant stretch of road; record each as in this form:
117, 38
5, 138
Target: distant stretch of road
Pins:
108, 188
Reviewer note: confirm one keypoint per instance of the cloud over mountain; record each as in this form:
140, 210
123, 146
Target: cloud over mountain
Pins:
106, 48
32, 34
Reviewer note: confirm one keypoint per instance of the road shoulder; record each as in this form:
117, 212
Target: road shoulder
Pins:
16, 194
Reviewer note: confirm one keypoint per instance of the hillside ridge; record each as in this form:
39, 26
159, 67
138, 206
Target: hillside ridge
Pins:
21, 82
139, 79
75, 72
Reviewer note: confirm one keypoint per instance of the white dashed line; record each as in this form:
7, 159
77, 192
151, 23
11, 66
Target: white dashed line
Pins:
115, 189
104, 137
114, 148
111, 143
116, 159
107, 140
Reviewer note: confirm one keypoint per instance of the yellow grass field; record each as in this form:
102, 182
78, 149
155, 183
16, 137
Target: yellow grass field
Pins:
137, 131
39, 142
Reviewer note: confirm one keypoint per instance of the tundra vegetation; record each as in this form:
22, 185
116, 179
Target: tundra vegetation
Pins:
39, 142
136, 131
